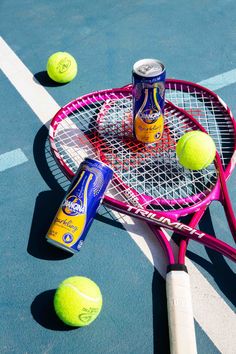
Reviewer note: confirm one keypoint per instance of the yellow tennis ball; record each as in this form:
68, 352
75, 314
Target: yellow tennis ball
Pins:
78, 301
61, 67
195, 150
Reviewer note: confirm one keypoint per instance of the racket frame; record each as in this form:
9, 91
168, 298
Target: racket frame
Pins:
177, 280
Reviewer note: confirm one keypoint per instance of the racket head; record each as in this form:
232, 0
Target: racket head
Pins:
147, 176
211, 112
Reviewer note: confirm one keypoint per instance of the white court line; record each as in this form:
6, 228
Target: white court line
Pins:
43, 105
11, 159
220, 81
210, 310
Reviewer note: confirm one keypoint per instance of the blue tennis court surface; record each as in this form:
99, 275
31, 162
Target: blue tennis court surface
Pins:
196, 41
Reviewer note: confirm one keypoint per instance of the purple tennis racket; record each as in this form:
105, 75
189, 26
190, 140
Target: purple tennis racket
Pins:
148, 183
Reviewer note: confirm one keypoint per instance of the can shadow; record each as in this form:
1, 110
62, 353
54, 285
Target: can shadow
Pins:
43, 312
47, 202
46, 206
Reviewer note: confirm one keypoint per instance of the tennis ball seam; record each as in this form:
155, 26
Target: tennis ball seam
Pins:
62, 67
207, 163
94, 299
184, 145
183, 153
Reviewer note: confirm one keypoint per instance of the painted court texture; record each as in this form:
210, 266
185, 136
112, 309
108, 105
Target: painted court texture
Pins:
196, 41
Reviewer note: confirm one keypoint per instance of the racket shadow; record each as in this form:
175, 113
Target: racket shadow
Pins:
216, 266
160, 320
48, 202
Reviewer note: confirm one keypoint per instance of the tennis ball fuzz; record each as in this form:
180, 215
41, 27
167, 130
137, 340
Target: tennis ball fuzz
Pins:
78, 301
62, 67
195, 150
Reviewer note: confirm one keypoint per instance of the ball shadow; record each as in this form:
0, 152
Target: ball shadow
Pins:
43, 312
43, 79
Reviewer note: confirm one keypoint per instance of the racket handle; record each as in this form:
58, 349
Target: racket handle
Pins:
180, 311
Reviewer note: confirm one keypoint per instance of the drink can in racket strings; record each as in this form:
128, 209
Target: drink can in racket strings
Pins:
148, 100
77, 211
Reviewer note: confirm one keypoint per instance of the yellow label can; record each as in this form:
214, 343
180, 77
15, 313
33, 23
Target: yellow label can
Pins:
148, 100
76, 213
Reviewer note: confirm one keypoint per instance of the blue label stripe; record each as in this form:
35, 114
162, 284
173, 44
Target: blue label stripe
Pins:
11, 159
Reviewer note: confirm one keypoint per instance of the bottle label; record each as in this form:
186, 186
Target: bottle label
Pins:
70, 220
149, 120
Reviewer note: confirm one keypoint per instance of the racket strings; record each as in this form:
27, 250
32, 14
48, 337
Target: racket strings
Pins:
163, 194
153, 177
152, 171
69, 138
206, 109
53, 167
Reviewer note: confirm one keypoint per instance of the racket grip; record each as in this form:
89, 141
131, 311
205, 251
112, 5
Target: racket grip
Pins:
180, 311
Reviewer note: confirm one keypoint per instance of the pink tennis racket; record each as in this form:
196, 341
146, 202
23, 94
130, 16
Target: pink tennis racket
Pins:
215, 116
149, 183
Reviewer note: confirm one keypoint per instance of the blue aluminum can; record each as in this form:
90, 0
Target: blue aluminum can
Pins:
148, 100
77, 211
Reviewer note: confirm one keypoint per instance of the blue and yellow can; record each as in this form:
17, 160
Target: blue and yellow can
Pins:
148, 100
77, 211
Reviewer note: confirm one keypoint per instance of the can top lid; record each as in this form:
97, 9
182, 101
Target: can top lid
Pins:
148, 67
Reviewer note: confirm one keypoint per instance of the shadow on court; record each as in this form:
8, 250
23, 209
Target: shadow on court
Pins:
46, 207
216, 265
219, 269
43, 79
47, 202
160, 321
43, 312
